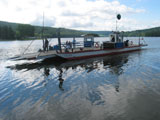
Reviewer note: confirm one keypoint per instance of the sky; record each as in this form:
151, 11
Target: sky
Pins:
83, 14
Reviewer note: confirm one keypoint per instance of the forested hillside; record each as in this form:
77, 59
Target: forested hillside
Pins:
12, 31
153, 32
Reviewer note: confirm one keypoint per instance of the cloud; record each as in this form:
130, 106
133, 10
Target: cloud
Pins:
70, 13
47, 21
4, 2
154, 23
76, 24
75, 14
61, 3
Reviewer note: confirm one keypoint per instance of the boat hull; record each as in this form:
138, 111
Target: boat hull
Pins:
96, 53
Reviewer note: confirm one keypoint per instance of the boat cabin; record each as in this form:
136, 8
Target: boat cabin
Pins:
89, 40
116, 37
115, 41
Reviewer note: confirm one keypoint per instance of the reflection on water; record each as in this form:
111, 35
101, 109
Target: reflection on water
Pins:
112, 63
123, 87
61, 80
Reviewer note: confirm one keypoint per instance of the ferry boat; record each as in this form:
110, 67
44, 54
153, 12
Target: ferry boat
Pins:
115, 45
88, 49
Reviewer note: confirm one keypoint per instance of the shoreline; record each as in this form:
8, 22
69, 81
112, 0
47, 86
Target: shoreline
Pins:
68, 37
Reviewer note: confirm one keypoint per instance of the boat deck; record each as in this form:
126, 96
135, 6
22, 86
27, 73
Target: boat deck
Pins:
49, 54
54, 53
36, 55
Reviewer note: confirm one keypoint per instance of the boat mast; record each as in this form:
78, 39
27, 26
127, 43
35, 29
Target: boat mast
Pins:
118, 18
116, 25
43, 32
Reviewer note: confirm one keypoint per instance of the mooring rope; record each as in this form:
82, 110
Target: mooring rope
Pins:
27, 47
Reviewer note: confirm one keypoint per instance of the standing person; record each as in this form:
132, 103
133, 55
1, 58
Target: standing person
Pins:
70, 45
67, 46
112, 39
74, 43
46, 44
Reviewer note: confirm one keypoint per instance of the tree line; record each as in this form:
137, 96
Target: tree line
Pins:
26, 31
153, 32
23, 31
6, 33
12, 31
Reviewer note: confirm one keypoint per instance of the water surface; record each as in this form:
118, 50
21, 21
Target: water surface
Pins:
117, 87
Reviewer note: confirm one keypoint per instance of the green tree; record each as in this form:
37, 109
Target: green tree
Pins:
24, 31
0, 32
11, 33
4, 32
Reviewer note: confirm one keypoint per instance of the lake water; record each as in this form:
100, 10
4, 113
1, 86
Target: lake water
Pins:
117, 87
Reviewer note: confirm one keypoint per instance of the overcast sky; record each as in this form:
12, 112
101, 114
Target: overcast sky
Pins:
83, 14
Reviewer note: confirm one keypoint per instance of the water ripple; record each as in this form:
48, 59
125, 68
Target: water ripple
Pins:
124, 87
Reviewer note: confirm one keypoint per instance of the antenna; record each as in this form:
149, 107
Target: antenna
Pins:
118, 18
116, 24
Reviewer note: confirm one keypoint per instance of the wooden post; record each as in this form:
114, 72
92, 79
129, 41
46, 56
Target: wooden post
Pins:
59, 40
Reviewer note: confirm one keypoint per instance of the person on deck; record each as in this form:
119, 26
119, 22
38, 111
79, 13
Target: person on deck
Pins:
112, 39
46, 45
127, 43
74, 43
67, 46
70, 45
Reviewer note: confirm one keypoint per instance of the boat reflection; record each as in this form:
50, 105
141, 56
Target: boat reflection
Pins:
61, 80
114, 64
46, 71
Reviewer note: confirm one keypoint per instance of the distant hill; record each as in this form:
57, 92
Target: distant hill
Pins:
100, 33
48, 31
152, 32
13, 25
52, 32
